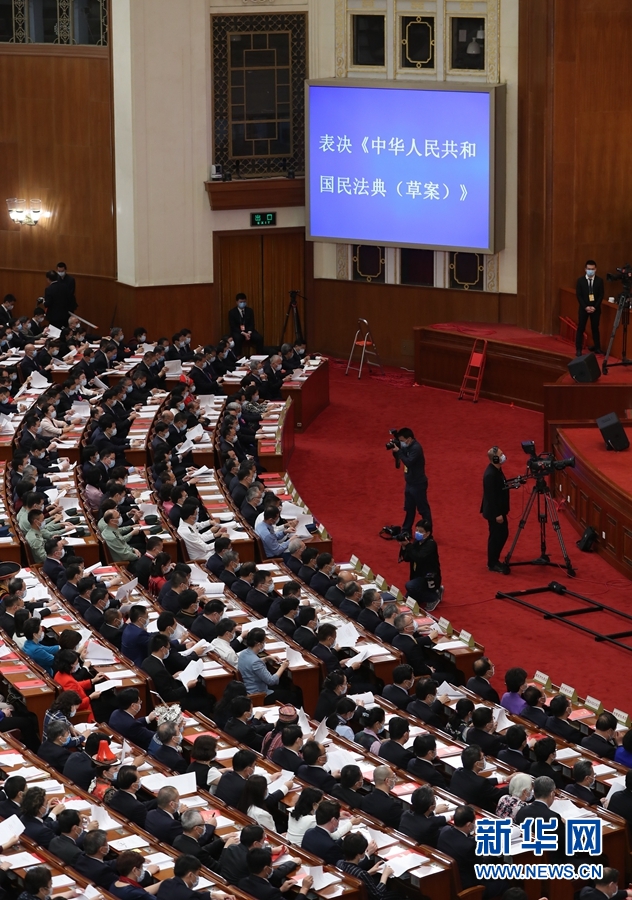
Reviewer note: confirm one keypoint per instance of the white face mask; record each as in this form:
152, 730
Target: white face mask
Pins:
503, 459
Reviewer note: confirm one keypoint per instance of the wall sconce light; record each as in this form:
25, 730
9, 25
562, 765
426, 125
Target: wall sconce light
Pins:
23, 213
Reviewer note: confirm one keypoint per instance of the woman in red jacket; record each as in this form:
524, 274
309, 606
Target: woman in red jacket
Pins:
67, 663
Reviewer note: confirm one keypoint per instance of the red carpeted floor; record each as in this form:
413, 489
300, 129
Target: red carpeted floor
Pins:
349, 481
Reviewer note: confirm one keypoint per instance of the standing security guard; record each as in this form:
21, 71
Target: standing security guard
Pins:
494, 508
415, 499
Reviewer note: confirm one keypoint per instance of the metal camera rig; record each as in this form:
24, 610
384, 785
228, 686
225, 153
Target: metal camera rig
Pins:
539, 467
624, 304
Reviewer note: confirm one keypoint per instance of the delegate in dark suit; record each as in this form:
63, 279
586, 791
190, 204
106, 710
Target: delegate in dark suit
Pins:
423, 768
396, 754
230, 787
383, 807
462, 848
79, 769
305, 637
134, 729
539, 810
514, 758
495, 506
129, 807
163, 826
319, 842
317, 776
259, 887
476, 790
483, 688
184, 843
413, 650
176, 889
423, 829
41, 831
397, 695
170, 757
589, 292
621, 804
599, 745
102, 874
64, 848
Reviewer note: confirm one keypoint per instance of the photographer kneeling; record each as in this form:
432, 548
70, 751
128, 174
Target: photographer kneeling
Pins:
422, 553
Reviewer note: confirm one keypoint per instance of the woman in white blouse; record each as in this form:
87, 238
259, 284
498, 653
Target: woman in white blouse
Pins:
52, 427
303, 817
257, 803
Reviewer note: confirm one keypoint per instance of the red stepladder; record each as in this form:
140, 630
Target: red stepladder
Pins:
473, 378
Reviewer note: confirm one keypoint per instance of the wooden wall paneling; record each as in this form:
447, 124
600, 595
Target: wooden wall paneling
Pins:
573, 148
56, 118
534, 123
283, 271
239, 267
392, 312
171, 307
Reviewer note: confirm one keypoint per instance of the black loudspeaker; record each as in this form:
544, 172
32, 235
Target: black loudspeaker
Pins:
613, 432
585, 369
587, 539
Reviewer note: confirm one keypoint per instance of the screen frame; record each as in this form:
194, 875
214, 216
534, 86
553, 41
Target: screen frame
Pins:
497, 163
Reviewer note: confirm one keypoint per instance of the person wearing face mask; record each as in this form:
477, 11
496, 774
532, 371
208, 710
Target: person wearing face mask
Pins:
126, 720
62, 710
273, 369
261, 883
606, 886
38, 884
138, 339
168, 750
55, 748
241, 324
424, 584
35, 325
495, 508
28, 363
117, 538
100, 601
186, 872
131, 871
202, 376
226, 359
589, 291
198, 538
408, 451
245, 727
192, 696
67, 663
117, 337
275, 540
6, 310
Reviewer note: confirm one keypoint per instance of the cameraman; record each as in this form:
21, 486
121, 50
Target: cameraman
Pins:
407, 450
425, 572
494, 508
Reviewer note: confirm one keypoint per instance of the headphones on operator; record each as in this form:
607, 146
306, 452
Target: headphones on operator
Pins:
495, 458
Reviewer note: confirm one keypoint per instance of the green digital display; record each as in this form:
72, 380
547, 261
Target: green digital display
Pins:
262, 219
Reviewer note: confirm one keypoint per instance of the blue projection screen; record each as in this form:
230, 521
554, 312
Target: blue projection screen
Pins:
404, 166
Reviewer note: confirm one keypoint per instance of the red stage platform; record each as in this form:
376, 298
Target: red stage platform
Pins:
598, 490
523, 367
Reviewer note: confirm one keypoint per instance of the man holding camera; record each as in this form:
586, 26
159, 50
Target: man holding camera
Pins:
494, 508
408, 451
421, 552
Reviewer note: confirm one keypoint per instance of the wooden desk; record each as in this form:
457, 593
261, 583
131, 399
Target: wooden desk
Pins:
275, 450
310, 393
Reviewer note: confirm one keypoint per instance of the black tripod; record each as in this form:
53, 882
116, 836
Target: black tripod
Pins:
542, 491
623, 315
292, 309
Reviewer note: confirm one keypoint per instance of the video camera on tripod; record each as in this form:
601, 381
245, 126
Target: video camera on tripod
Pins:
539, 465
624, 304
624, 275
